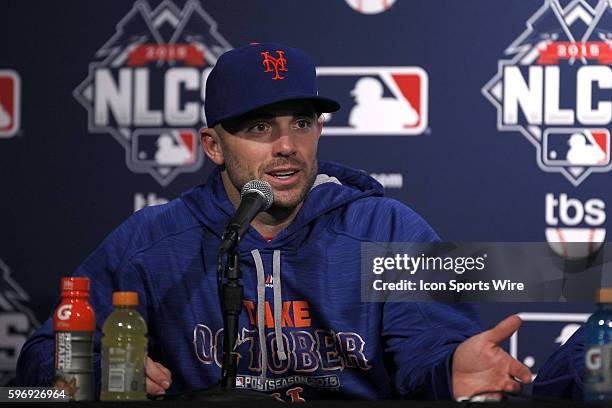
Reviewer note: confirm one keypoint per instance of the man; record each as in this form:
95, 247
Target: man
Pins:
304, 331
562, 374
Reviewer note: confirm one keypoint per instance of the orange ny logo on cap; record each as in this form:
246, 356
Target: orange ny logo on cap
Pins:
275, 64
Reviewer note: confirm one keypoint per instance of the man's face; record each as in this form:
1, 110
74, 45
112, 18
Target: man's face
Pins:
278, 144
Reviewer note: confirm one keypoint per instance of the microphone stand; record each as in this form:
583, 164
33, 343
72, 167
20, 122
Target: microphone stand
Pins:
231, 295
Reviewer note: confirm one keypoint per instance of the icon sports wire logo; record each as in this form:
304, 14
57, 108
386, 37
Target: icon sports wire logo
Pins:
10, 103
147, 86
552, 88
377, 100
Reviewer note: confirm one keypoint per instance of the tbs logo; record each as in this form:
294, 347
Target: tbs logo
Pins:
10, 103
142, 200
379, 100
575, 229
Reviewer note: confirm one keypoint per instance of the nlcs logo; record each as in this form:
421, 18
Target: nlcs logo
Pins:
553, 89
275, 64
147, 88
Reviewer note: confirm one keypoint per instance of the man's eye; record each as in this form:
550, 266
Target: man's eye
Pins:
302, 124
259, 127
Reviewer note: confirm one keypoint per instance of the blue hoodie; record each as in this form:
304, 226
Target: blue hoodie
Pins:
561, 375
303, 286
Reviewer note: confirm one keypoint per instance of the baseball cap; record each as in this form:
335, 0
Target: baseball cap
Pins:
256, 75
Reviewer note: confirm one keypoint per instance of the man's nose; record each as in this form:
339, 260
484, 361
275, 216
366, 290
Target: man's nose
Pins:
284, 145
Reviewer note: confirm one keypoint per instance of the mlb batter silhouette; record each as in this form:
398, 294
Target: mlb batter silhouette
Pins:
566, 333
581, 153
170, 154
375, 112
5, 118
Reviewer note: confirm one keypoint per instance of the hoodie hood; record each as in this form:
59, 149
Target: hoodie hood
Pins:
336, 186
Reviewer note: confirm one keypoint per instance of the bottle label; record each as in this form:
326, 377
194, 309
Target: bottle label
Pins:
63, 350
598, 364
116, 378
125, 370
74, 364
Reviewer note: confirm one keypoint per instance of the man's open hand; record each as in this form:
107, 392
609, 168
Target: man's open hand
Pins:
159, 377
480, 364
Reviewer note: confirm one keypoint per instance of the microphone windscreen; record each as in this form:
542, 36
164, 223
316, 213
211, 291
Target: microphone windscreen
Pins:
260, 187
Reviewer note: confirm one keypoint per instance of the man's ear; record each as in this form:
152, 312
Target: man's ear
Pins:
320, 121
211, 145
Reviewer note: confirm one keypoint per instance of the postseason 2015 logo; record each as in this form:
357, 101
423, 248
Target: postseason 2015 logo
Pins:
147, 87
556, 87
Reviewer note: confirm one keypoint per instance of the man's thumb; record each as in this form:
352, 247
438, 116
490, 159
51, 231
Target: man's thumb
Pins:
504, 329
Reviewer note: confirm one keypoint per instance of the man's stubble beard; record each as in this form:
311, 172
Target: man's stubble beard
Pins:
234, 170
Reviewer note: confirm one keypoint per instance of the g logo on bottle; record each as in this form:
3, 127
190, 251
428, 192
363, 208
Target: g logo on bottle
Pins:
64, 312
593, 358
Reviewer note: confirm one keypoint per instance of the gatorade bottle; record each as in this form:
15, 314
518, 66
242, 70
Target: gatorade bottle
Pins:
598, 358
74, 322
124, 350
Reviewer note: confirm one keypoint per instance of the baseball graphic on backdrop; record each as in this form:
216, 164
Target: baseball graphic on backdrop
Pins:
370, 6
575, 243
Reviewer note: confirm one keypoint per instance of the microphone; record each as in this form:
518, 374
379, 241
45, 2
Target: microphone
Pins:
256, 196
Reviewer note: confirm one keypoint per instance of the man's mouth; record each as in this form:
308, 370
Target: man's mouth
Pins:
283, 176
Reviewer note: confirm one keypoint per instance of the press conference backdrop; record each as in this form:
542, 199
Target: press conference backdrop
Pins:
489, 118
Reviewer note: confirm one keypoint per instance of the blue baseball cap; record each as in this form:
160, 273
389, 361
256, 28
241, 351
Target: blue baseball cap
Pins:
256, 75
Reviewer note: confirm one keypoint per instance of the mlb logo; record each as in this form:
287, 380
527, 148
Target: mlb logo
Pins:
239, 382
376, 100
10, 103
164, 147
576, 147
541, 334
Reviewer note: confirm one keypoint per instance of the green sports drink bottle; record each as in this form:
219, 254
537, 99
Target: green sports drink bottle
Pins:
124, 351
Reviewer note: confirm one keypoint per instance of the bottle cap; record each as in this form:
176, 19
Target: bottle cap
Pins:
75, 284
604, 295
125, 298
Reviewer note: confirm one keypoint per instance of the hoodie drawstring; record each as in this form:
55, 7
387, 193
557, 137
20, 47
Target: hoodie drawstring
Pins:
261, 311
278, 305
261, 308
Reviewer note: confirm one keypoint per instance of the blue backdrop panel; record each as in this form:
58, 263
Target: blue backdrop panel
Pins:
100, 104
